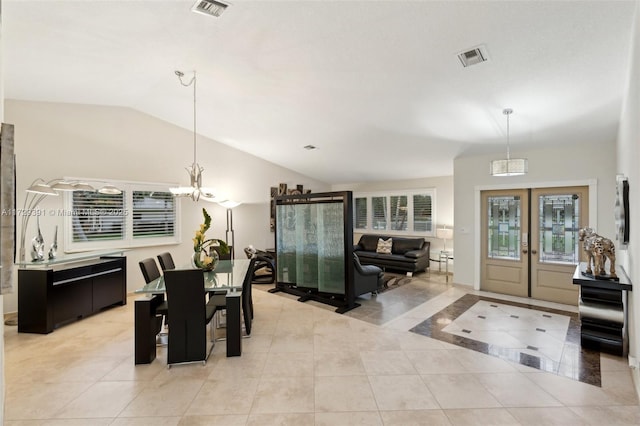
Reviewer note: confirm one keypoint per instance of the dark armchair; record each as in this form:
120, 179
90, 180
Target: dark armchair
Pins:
366, 278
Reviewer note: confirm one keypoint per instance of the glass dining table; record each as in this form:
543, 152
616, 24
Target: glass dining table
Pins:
228, 275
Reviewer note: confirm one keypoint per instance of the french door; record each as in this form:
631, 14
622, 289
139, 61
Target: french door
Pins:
530, 241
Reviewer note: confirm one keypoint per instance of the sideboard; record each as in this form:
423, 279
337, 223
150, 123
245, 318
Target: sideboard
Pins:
603, 310
55, 293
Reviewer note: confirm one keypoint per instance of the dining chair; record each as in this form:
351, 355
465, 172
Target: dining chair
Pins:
166, 261
247, 297
190, 314
149, 269
219, 301
150, 272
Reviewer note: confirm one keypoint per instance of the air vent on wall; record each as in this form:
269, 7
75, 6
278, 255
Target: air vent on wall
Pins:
473, 56
209, 7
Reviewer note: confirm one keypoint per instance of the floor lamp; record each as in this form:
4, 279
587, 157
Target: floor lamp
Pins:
230, 205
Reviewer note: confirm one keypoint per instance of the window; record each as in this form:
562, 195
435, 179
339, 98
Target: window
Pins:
379, 212
403, 212
154, 214
360, 216
142, 215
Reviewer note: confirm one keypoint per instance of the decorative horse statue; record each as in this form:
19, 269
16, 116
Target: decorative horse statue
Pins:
598, 249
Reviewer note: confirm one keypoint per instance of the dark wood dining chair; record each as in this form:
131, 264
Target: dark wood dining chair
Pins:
150, 272
190, 314
149, 269
246, 298
166, 261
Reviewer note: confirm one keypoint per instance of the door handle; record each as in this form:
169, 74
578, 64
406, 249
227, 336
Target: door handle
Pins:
525, 251
534, 251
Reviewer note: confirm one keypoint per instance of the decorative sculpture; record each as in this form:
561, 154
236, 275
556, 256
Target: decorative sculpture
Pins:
598, 249
37, 246
53, 250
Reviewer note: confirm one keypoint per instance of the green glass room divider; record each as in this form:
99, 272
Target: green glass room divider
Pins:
314, 247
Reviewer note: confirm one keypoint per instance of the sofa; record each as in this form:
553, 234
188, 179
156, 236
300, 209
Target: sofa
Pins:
407, 254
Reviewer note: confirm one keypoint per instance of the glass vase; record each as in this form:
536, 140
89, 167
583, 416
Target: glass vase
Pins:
205, 261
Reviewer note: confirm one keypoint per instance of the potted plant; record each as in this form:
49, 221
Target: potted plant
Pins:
204, 256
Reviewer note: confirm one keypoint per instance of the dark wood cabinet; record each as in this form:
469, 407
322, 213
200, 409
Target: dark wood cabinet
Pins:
52, 296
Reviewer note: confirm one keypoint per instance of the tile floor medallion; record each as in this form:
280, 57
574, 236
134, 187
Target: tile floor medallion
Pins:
542, 338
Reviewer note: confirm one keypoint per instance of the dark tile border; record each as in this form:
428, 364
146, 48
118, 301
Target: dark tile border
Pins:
576, 363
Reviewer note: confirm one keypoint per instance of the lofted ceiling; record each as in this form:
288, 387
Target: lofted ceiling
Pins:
376, 86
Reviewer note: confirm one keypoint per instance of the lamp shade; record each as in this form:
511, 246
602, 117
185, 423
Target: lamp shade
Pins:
63, 186
444, 233
229, 204
83, 186
41, 188
509, 167
109, 190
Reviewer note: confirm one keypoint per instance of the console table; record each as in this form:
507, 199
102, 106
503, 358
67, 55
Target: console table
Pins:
603, 311
55, 292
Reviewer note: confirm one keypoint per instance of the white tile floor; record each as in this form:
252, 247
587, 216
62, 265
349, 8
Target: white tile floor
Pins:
303, 365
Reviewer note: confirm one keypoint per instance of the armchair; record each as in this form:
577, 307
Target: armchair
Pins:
366, 278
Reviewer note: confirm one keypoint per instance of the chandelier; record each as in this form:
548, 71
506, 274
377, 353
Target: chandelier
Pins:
195, 189
509, 166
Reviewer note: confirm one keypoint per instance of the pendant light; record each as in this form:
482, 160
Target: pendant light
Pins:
195, 190
509, 166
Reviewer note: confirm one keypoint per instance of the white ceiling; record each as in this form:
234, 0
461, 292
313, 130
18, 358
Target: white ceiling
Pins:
375, 85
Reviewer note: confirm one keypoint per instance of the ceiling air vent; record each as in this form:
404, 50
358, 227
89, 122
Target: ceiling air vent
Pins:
473, 56
209, 7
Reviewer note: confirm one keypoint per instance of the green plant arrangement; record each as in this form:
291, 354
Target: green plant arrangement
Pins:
204, 256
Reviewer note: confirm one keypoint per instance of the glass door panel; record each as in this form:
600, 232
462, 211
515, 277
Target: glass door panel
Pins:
504, 216
559, 222
555, 248
504, 234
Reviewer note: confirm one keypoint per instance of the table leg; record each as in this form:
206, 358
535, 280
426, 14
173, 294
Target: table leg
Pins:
147, 325
234, 326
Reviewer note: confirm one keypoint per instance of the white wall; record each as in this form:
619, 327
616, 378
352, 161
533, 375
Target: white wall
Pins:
565, 164
57, 140
628, 156
443, 206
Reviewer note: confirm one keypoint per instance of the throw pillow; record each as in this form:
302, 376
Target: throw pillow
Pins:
384, 246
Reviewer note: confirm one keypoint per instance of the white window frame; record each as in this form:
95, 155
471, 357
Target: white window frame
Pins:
128, 241
410, 217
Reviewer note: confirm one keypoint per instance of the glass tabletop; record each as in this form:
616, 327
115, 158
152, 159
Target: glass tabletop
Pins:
228, 275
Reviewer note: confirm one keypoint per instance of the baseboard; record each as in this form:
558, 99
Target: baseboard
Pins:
635, 376
11, 318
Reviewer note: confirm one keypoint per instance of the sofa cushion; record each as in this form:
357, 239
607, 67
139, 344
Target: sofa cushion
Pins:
384, 246
368, 242
403, 245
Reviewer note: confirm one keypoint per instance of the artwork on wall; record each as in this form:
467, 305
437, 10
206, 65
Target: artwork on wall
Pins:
282, 189
7, 204
621, 211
